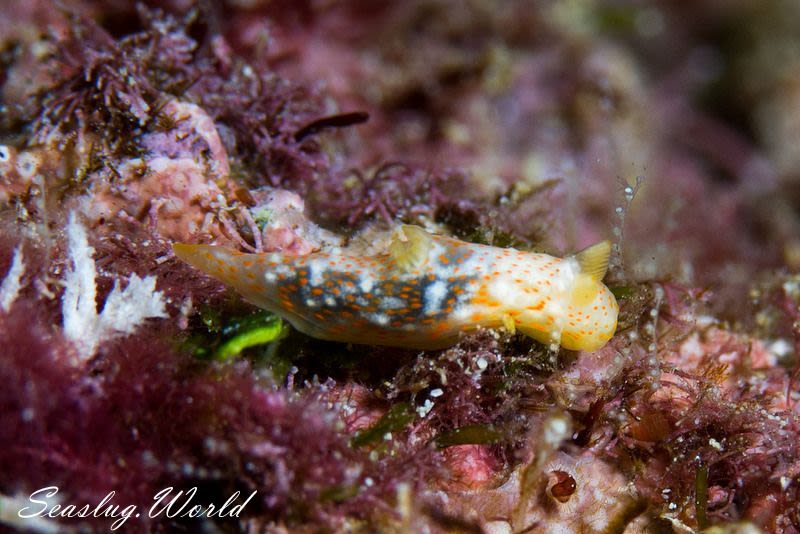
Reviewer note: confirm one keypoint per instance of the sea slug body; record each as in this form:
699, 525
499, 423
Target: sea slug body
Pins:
424, 290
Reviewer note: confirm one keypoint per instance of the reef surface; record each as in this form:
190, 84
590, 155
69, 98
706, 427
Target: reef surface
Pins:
670, 128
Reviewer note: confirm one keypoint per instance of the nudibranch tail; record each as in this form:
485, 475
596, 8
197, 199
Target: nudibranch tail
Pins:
243, 272
210, 259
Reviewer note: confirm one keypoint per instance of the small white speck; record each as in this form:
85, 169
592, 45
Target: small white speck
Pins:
27, 165
436, 393
392, 303
380, 318
426, 407
482, 363
366, 284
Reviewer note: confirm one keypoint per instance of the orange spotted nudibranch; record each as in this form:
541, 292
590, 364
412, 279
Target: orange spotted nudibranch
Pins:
424, 290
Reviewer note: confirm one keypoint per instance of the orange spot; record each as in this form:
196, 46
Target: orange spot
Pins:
247, 263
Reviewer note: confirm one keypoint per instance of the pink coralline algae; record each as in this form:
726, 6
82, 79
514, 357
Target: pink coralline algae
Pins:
304, 128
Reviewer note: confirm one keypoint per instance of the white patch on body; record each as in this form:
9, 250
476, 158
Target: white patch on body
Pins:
462, 312
366, 283
316, 270
434, 295
392, 303
379, 318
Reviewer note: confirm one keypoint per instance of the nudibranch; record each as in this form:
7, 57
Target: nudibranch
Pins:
424, 290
